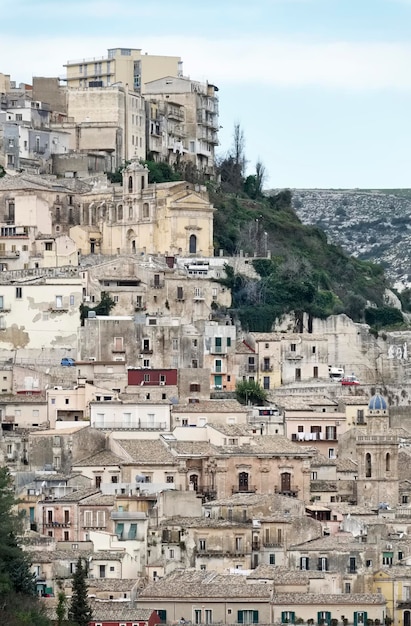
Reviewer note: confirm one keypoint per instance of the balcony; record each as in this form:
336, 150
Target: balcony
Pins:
255, 545
243, 489
57, 524
218, 350
271, 544
266, 367
175, 113
251, 369
126, 515
157, 284
290, 493
9, 254
146, 351
138, 426
293, 356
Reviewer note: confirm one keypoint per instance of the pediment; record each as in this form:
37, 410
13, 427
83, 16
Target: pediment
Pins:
191, 201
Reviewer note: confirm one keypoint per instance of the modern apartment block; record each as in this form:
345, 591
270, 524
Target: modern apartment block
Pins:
121, 65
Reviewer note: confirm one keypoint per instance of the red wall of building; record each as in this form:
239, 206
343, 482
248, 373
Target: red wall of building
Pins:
136, 377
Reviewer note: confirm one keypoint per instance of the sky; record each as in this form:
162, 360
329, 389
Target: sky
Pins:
321, 88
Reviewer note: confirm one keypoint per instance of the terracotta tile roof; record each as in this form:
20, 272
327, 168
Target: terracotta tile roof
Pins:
233, 430
191, 583
319, 460
287, 337
280, 575
211, 406
243, 348
192, 448
202, 522
331, 542
328, 599
146, 451
99, 499
267, 444
75, 496
100, 459
51, 556
275, 502
347, 465
304, 403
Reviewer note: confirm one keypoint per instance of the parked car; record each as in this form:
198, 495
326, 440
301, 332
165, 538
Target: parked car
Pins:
350, 380
67, 362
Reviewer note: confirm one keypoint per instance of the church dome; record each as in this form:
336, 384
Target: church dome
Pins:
377, 403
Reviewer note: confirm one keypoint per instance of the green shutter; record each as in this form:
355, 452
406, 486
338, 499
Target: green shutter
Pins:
240, 617
228, 342
132, 531
255, 617
292, 617
365, 618
283, 617
319, 618
162, 614
328, 617
119, 530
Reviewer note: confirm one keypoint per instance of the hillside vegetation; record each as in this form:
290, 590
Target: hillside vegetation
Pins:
299, 271
304, 273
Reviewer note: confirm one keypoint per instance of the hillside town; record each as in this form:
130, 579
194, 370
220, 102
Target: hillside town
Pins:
121, 422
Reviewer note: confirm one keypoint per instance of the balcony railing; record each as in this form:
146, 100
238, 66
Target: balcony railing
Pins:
290, 493
132, 426
265, 367
243, 489
125, 515
57, 524
157, 284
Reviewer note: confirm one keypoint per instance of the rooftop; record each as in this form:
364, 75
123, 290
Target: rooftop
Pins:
211, 406
328, 599
191, 583
101, 459
146, 451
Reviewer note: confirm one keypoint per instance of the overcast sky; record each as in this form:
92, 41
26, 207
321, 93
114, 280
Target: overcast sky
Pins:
322, 88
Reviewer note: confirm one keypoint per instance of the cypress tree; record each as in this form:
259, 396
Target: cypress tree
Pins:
80, 611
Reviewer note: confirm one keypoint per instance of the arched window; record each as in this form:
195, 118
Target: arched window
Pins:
133, 246
130, 184
146, 210
193, 244
407, 621
119, 212
387, 462
194, 481
368, 469
130, 212
143, 182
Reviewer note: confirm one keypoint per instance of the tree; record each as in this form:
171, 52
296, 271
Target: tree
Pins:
18, 598
102, 308
61, 605
232, 167
250, 391
80, 612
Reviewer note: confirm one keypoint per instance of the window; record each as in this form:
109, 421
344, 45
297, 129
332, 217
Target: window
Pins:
331, 453
314, 475
197, 616
272, 559
101, 519
331, 432
146, 210
387, 558
102, 571
287, 617
387, 462
194, 363
71, 300
48, 246
19, 293
169, 479
208, 615
201, 544
66, 535
304, 563
195, 387
88, 519
347, 588
315, 372
180, 293
323, 564
293, 347
360, 416
297, 373
247, 617
146, 362
59, 302
266, 382
132, 531
175, 344
171, 553
368, 465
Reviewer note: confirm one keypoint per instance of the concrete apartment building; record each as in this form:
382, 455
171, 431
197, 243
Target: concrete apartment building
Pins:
121, 65
109, 120
194, 106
